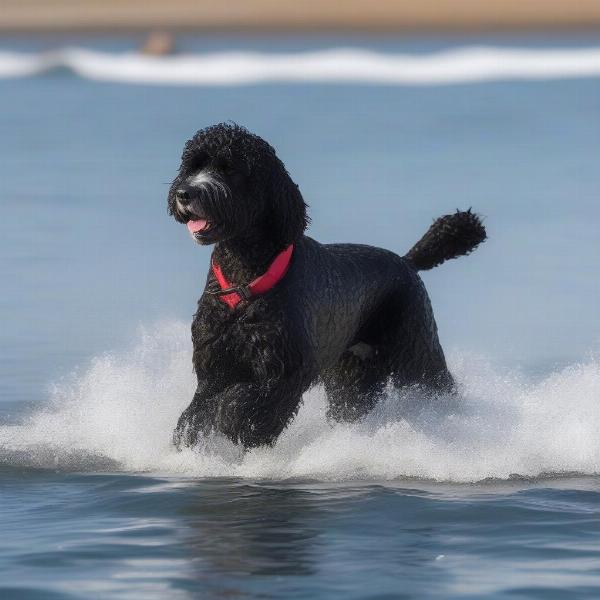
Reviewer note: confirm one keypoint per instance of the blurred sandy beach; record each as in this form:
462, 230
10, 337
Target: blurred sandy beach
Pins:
290, 15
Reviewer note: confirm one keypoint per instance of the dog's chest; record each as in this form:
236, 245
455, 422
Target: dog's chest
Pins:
237, 346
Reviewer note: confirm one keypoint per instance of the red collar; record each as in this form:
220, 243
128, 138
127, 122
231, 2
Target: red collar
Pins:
233, 295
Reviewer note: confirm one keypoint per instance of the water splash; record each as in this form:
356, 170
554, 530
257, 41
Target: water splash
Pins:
120, 412
335, 65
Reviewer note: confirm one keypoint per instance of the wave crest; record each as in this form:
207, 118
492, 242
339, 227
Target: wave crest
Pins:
120, 413
336, 65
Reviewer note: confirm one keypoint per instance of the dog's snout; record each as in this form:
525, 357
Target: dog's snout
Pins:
182, 195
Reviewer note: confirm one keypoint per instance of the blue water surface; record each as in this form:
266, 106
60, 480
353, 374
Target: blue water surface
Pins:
88, 255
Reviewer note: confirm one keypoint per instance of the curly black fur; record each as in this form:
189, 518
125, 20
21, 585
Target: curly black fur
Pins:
349, 316
448, 237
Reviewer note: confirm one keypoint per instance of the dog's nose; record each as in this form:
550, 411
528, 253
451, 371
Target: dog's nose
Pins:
182, 195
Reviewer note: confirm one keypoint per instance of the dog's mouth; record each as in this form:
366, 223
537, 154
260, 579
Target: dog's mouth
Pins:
196, 226
202, 229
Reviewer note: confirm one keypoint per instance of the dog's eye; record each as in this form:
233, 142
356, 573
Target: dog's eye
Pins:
225, 167
196, 161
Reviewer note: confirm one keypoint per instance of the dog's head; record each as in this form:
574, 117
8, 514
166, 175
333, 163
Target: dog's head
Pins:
232, 185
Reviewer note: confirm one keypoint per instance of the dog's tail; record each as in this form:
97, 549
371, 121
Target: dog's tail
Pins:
449, 237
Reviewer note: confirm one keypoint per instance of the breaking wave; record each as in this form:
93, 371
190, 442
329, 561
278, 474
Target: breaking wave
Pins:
337, 65
120, 412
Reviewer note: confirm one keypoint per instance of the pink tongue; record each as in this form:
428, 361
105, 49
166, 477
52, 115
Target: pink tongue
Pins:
195, 226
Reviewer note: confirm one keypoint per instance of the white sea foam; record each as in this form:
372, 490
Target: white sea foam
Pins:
337, 65
119, 414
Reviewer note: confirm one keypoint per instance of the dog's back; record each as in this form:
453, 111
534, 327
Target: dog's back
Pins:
360, 294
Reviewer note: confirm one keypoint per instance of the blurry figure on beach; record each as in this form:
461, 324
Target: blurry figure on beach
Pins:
159, 43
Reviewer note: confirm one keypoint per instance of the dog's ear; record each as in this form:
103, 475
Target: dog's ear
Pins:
286, 218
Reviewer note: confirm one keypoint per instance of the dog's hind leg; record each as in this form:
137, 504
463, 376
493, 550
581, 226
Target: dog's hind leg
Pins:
411, 341
398, 345
355, 383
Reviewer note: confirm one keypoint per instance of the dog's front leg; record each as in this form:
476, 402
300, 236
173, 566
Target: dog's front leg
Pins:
195, 417
246, 412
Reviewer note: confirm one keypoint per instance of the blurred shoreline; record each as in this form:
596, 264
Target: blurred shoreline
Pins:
247, 16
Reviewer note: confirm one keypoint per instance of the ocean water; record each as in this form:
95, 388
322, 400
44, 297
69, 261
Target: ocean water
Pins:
491, 494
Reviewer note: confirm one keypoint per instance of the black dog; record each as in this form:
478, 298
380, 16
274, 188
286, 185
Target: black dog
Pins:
349, 316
